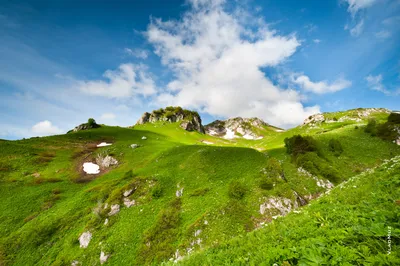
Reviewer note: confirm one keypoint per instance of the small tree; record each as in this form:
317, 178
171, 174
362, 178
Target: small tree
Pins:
371, 127
236, 190
335, 146
91, 122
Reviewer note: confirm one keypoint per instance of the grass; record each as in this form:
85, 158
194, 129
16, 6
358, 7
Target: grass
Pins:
44, 209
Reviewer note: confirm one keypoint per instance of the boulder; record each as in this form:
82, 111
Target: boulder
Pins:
84, 239
129, 203
114, 210
106, 161
134, 146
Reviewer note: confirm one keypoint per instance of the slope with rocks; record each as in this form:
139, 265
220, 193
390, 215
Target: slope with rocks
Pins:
165, 195
247, 128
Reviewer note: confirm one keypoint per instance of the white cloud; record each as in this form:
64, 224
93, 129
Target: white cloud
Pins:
357, 29
217, 69
383, 34
317, 41
375, 83
321, 87
357, 5
395, 20
128, 80
139, 53
45, 128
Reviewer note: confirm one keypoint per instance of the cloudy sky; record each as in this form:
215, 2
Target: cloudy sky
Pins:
62, 62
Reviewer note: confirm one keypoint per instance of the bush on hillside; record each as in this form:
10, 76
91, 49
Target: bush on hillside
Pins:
335, 146
273, 168
318, 166
386, 131
394, 118
157, 192
299, 145
236, 190
371, 127
91, 122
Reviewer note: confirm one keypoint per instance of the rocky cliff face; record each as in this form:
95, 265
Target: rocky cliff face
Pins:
236, 127
189, 120
85, 126
356, 115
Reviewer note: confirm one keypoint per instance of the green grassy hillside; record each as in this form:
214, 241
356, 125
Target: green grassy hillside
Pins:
191, 194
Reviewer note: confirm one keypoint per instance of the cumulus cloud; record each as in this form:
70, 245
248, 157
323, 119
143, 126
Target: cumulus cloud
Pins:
128, 80
139, 53
321, 87
357, 5
45, 128
216, 58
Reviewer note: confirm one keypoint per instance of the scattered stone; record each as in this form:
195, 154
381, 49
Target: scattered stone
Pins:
179, 192
283, 205
36, 175
144, 137
197, 233
134, 146
129, 203
84, 239
206, 222
114, 210
104, 144
128, 192
106, 221
106, 161
75, 263
103, 257
106, 206
91, 168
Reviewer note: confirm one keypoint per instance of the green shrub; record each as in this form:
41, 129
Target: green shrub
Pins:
266, 184
157, 192
394, 118
356, 127
236, 190
318, 166
335, 146
91, 122
371, 127
335, 119
299, 145
273, 168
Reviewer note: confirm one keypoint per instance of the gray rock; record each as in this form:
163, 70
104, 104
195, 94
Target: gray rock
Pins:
106, 161
179, 193
84, 239
114, 210
134, 146
103, 257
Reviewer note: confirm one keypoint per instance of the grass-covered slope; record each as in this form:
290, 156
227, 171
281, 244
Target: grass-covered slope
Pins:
191, 191
357, 223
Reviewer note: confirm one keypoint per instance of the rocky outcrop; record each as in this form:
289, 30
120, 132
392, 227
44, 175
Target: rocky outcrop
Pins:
84, 239
85, 126
237, 127
313, 119
189, 120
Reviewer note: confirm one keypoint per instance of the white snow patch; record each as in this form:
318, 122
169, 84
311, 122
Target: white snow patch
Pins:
103, 144
91, 168
230, 134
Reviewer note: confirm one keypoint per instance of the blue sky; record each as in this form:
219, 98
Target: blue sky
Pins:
62, 62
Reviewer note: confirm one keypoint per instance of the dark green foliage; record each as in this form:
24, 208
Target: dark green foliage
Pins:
386, 131
157, 192
335, 119
236, 190
371, 127
335, 146
129, 174
356, 127
299, 145
318, 166
91, 122
266, 184
394, 118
